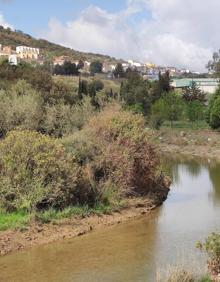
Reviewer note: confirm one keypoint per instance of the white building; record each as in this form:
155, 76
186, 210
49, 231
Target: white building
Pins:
27, 52
13, 60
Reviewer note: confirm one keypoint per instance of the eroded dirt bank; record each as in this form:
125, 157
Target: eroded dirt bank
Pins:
193, 143
39, 234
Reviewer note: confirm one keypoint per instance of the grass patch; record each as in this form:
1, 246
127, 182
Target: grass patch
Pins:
205, 279
19, 220
13, 220
82, 211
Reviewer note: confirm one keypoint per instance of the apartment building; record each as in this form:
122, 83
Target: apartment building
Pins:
25, 52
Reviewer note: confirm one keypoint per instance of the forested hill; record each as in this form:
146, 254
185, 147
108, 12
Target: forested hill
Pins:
51, 50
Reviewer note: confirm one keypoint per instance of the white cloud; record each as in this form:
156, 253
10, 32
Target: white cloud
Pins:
3, 22
176, 32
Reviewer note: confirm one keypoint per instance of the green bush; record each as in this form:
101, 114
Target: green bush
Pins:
195, 111
213, 114
117, 157
169, 107
62, 119
36, 173
136, 91
21, 107
212, 247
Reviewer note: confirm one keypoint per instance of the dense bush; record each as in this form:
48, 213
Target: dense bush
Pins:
96, 67
21, 106
36, 172
114, 147
37, 76
67, 68
61, 92
62, 119
195, 110
135, 92
213, 112
169, 107
212, 247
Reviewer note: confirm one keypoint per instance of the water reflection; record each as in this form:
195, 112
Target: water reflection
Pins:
122, 253
214, 174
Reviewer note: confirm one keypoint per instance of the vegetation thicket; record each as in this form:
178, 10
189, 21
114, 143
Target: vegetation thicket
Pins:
67, 142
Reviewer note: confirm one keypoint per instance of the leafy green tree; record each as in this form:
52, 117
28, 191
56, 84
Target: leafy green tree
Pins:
95, 86
80, 65
70, 68
213, 116
195, 110
58, 70
169, 107
96, 67
119, 71
161, 86
84, 86
80, 96
67, 68
135, 91
213, 111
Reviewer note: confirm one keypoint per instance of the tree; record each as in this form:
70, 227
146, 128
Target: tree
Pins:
119, 71
161, 87
194, 93
80, 65
213, 115
70, 68
135, 93
96, 67
80, 89
168, 107
84, 86
195, 110
67, 68
214, 64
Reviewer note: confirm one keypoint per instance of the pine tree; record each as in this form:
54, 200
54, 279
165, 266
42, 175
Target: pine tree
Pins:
194, 93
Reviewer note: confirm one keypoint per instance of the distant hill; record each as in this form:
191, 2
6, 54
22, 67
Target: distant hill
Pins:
48, 49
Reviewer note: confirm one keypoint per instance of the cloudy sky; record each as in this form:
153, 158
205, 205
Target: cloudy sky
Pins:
181, 33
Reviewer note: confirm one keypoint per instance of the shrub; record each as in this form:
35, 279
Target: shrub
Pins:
136, 91
36, 172
115, 152
213, 115
195, 110
168, 107
63, 119
61, 92
20, 107
212, 247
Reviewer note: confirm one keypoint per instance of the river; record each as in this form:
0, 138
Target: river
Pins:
137, 250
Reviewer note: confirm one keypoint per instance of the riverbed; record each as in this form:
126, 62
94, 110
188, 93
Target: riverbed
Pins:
139, 249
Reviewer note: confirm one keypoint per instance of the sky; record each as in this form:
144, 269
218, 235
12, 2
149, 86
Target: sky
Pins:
181, 33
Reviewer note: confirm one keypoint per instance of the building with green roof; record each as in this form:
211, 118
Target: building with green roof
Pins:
208, 85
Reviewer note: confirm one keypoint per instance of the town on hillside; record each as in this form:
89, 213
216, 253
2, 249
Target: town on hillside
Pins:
180, 78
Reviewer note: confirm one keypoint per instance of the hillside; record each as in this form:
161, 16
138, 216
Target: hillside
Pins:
48, 49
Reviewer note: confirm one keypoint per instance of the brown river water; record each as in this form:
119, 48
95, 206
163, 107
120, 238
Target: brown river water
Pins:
139, 249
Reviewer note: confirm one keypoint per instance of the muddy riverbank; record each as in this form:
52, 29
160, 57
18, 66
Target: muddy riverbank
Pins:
141, 249
41, 234
193, 143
